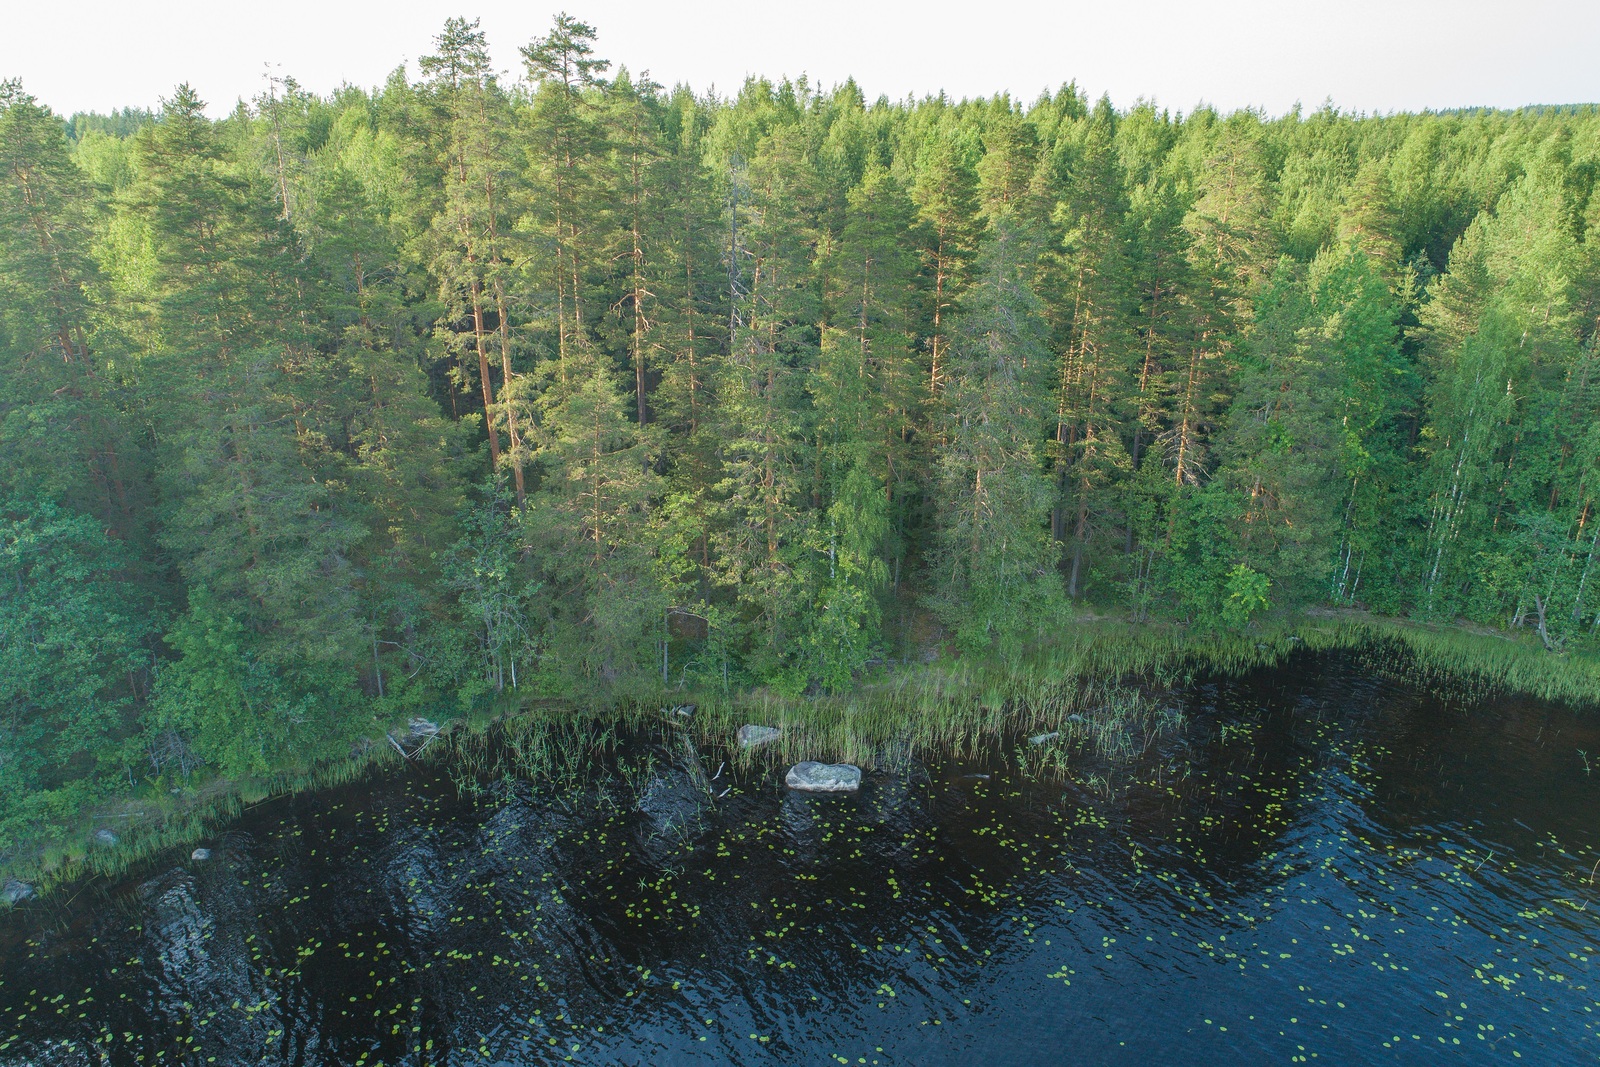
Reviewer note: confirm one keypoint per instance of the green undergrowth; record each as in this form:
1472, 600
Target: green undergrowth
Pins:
1089, 683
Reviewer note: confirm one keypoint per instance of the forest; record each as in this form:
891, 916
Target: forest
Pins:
562, 385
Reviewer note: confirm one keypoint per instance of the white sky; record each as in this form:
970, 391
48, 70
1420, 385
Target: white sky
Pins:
1366, 55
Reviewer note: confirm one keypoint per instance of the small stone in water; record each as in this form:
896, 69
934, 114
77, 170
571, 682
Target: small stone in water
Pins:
813, 777
200, 855
105, 837
1039, 739
755, 736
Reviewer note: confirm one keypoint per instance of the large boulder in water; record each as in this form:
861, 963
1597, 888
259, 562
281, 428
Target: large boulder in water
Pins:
813, 777
16, 892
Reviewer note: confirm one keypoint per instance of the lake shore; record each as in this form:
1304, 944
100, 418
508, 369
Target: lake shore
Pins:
940, 702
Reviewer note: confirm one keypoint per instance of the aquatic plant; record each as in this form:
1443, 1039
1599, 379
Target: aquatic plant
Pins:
1092, 669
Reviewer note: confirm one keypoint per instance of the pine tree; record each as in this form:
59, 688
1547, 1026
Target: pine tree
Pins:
231, 389
634, 124
1099, 349
1226, 229
564, 140
945, 191
401, 453
772, 347
57, 413
470, 257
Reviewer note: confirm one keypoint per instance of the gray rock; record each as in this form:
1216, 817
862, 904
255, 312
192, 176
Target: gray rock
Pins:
105, 837
420, 733
200, 855
16, 892
679, 711
813, 777
756, 736
1039, 739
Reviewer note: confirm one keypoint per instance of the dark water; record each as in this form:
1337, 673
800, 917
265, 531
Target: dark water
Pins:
1319, 866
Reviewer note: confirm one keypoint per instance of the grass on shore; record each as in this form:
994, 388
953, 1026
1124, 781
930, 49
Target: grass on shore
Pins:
950, 705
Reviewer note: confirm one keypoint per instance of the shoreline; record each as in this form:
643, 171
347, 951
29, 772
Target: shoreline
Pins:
926, 703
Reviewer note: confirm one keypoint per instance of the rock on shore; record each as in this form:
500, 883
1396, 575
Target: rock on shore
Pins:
756, 736
813, 777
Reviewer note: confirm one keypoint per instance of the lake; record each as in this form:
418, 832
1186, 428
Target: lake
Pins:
1313, 865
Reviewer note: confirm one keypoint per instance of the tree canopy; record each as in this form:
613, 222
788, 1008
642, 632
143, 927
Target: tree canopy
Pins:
344, 408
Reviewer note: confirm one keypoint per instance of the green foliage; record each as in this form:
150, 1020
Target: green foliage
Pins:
994, 572
841, 629
73, 655
1246, 594
455, 394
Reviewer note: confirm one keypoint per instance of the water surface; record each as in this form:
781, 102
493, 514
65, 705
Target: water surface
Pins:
1318, 866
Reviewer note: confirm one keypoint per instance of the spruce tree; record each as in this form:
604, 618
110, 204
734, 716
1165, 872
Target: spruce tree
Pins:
994, 563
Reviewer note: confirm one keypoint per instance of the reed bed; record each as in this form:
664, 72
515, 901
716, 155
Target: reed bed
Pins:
1096, 684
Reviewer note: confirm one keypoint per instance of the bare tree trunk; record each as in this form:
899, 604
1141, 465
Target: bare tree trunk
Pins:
1539, 603
503, 328
483, 375
508, 398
